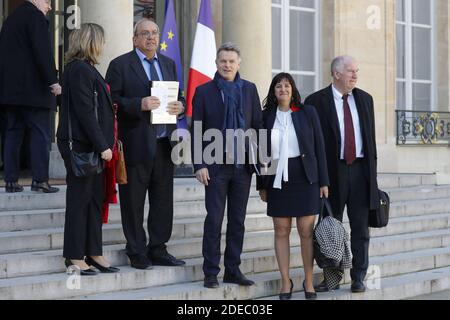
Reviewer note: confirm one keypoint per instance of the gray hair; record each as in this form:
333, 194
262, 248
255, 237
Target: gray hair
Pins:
229, 46
136, 26
339, 63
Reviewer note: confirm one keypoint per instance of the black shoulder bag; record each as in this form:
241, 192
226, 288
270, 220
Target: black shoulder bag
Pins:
380, 218
84, 164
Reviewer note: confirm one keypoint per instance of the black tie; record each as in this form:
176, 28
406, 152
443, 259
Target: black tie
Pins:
160, 128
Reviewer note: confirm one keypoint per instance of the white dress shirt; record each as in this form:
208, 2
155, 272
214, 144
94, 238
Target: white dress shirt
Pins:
339, 102
284, 144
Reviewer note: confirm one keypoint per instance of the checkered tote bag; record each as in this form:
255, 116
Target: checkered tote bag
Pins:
331, 246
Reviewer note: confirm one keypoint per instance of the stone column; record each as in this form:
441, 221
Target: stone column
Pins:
249, 25
116, 17
366, 30
443, 54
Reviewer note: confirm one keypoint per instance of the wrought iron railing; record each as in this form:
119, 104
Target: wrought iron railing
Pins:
423, 128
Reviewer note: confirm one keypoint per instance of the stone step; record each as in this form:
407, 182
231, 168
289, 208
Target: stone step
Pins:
393, 287
49, 261
184, 190
53, 238
54, 286
54, 217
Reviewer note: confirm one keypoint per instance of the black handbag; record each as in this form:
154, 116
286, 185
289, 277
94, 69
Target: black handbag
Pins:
322, 261
380, 218
84, 164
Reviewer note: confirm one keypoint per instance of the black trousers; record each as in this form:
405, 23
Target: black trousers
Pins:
38, 121
353, 192
156, 179
232, 186
84, 201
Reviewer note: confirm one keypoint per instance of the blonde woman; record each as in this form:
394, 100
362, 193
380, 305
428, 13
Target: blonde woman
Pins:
86, 102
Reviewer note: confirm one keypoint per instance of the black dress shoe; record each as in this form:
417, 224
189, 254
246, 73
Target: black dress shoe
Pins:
140, 262
87, 272
288, 295
102, 269
43, 187
167, 260
309, 295
322, 287
211, 282
13, 187
237, 278
358, 286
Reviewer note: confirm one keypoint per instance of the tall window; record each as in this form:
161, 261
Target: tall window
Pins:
295, 42
415, 55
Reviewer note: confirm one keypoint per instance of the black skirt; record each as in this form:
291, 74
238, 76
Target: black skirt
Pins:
296, 198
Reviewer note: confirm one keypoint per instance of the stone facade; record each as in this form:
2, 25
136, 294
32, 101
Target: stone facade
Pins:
365, 29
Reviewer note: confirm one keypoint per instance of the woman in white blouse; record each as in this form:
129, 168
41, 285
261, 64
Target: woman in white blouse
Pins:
300, 178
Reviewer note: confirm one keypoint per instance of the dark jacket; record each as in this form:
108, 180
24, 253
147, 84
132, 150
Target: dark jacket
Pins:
129, 84
27, 65
208, 109
81, 81
323, 101
310, 141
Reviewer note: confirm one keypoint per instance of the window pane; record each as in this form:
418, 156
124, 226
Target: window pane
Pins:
401, 96
276, 1
401, 57
421, 47
400, 10
302, 41
303, 3
305, 85
421, 97
421, 11
276, 38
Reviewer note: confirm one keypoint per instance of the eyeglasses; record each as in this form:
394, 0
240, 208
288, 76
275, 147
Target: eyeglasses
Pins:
148, 34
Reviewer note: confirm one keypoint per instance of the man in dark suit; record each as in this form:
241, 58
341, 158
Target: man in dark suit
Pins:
348, 125
226, 103
147, 147
28, 86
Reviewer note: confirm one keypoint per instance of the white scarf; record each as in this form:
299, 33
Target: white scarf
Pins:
284, 119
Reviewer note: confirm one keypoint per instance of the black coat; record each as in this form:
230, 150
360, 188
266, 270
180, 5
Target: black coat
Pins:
129, 84
310, 141
80, 83
27, 65
208, 109
323, 100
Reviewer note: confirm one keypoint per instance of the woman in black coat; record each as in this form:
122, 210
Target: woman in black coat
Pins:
87, 100
299, 177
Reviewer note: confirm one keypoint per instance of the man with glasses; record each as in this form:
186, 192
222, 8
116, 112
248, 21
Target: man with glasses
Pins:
28, 86
147, 147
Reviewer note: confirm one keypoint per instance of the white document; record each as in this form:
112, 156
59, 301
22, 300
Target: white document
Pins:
166, 91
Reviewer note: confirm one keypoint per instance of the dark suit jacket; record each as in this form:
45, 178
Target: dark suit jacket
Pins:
27, 65
324, 102
129, 84
80, 82
209, 109
310, 141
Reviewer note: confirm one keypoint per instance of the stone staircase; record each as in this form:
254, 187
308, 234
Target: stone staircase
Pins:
411, 257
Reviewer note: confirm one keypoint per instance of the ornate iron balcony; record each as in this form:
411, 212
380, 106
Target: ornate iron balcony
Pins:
423, 128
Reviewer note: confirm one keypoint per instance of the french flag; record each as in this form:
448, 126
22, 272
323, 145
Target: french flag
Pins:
203, 66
